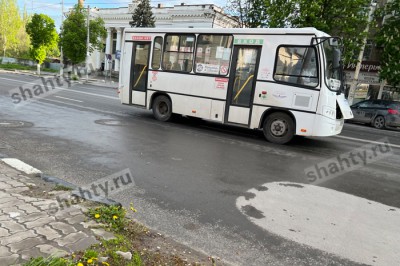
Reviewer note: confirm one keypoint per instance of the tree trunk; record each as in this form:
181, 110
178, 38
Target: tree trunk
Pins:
38, 69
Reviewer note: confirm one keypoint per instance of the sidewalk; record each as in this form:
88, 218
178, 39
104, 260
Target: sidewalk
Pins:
96, 81
27, 227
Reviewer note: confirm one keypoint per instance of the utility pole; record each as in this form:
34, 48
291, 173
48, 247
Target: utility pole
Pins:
87, 45
353, 86
61, 52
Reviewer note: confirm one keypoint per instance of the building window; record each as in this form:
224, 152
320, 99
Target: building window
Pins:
296, 65
157, 47
114, 43
368, 50
178, 52
213, 54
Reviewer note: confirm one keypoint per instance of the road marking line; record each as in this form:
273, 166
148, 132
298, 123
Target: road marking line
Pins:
86, 108
70, 90
367, 141
351, 227
69, 99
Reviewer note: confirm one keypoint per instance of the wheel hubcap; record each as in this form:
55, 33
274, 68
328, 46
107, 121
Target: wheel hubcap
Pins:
379, 122
163, 108
278, 128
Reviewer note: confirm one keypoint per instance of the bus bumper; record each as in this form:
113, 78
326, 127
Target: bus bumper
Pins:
324, 126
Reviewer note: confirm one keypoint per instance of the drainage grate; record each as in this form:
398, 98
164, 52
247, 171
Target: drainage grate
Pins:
110, 122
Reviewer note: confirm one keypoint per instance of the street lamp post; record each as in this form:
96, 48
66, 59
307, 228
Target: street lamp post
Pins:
87, 44
61, 49
353, 86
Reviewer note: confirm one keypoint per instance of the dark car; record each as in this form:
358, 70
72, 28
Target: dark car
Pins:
378, 113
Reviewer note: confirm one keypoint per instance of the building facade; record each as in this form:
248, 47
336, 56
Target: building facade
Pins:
178, 16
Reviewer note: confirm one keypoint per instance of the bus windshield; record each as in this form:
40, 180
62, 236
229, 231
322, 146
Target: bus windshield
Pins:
333, 67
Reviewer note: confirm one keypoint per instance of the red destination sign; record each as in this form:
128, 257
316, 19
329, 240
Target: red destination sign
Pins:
141, 38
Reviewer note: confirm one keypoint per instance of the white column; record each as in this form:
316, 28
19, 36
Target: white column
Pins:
108, 49
118, 48
98, 59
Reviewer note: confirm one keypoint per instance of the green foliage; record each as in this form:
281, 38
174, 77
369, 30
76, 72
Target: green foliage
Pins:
59, 187
251, 13
143, 16
74, 35
114, 216
388, 38
50, 261
10, 66
10, 25
43, 35
346, 19
137, 260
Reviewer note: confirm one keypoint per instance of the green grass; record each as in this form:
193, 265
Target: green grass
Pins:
59, 187
10, 66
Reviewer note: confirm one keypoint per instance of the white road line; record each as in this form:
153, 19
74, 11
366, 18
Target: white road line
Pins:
367, 141
63, 89
68, 99
351, 227
85, 107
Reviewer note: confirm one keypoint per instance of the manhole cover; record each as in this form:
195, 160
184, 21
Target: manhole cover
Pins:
14, 124
110, 122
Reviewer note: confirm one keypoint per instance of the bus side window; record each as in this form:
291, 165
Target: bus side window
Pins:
296, 65
178, 52
156, 58
213, 54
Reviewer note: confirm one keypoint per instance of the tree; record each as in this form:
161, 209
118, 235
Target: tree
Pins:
24, 43
388, 38
10, 24
143, 16
74, 35
346, 18
43, 35
250, 13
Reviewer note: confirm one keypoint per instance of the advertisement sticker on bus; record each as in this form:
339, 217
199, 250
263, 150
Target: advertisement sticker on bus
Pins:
221, 83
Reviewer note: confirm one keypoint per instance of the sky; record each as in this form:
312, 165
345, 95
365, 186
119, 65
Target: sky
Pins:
52, 8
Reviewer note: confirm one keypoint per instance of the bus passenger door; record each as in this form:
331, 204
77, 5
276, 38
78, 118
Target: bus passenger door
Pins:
242, 81
139, 72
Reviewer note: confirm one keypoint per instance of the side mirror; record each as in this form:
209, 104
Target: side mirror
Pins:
333, 42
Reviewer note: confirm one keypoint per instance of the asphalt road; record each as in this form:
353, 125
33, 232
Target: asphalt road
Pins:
191, 176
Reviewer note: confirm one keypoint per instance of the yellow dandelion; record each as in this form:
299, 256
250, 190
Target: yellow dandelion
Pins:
97, 216
80, 264
89, 261
115, 217
105, 263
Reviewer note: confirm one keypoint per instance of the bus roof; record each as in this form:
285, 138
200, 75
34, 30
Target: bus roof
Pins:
250, 31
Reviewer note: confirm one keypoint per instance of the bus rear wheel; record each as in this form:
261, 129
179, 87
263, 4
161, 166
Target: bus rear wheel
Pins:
162, 108
279, 128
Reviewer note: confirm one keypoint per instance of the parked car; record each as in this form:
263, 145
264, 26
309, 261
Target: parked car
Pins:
378, 113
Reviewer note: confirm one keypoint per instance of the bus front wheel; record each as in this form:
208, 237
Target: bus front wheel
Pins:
279, 128
162, 108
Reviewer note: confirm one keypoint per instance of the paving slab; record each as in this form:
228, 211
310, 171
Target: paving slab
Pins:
29, 227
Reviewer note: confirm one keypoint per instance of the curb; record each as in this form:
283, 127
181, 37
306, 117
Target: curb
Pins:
30, 170
22, 167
